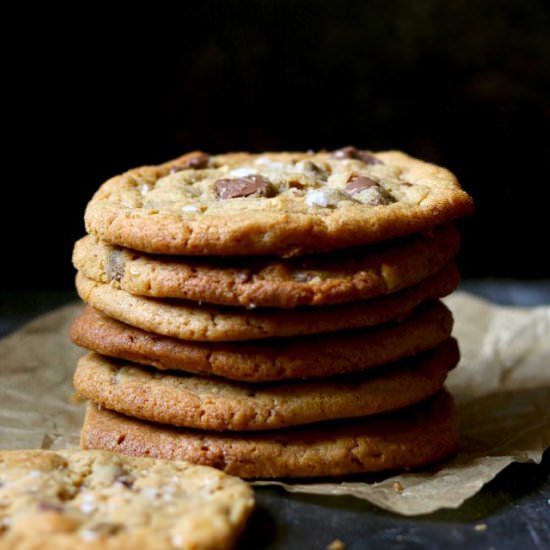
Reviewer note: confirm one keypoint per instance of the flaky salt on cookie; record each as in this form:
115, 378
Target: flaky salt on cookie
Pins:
71, 499
283, 204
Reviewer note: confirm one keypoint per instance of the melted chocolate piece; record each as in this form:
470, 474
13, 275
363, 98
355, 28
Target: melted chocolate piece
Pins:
232, 188
125, 480
373, 193
358, 184
196, 162
353, 153
314, 170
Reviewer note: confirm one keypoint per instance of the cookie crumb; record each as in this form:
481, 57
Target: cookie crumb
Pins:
481, 527
336, 544
397, 487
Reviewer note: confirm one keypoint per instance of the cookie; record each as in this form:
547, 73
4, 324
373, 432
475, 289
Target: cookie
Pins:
409, 438
72, 499
190, 321
273, 203
213, 404
271, 359
345, 276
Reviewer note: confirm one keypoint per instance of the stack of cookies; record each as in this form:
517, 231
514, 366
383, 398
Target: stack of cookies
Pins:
272, 315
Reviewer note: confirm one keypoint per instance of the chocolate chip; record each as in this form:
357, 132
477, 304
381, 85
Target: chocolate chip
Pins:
368, 158
345, 153
115, 266
368, 191
313, 169
50, 507
231, 188
358, 184
358, 154
196, 162
125, 480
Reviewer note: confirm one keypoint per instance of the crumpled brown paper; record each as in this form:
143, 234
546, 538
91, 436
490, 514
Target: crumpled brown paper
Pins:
502, 388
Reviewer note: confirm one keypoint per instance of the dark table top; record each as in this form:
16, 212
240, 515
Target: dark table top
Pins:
511, 512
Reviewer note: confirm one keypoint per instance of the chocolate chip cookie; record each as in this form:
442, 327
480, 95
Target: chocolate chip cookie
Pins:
273, 203
190, 321
344, 276
270, 359
409, 438
215, 404
71, 499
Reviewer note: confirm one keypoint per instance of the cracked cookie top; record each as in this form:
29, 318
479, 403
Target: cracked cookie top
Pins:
273, 203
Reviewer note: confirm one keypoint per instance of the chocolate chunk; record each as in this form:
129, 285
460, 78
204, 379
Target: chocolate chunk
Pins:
368, 191
196, 162
358, 184
345, 153
125, 480
368, 158
358, 154
50, 507
313, 169
231, 188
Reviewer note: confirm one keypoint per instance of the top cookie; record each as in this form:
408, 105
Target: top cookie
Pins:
273, 203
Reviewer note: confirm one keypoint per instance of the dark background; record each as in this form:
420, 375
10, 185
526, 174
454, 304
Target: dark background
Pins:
462, 84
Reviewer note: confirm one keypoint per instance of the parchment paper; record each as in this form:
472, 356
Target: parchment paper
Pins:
502, 387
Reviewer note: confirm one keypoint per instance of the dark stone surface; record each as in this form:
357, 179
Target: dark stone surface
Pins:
513, 510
